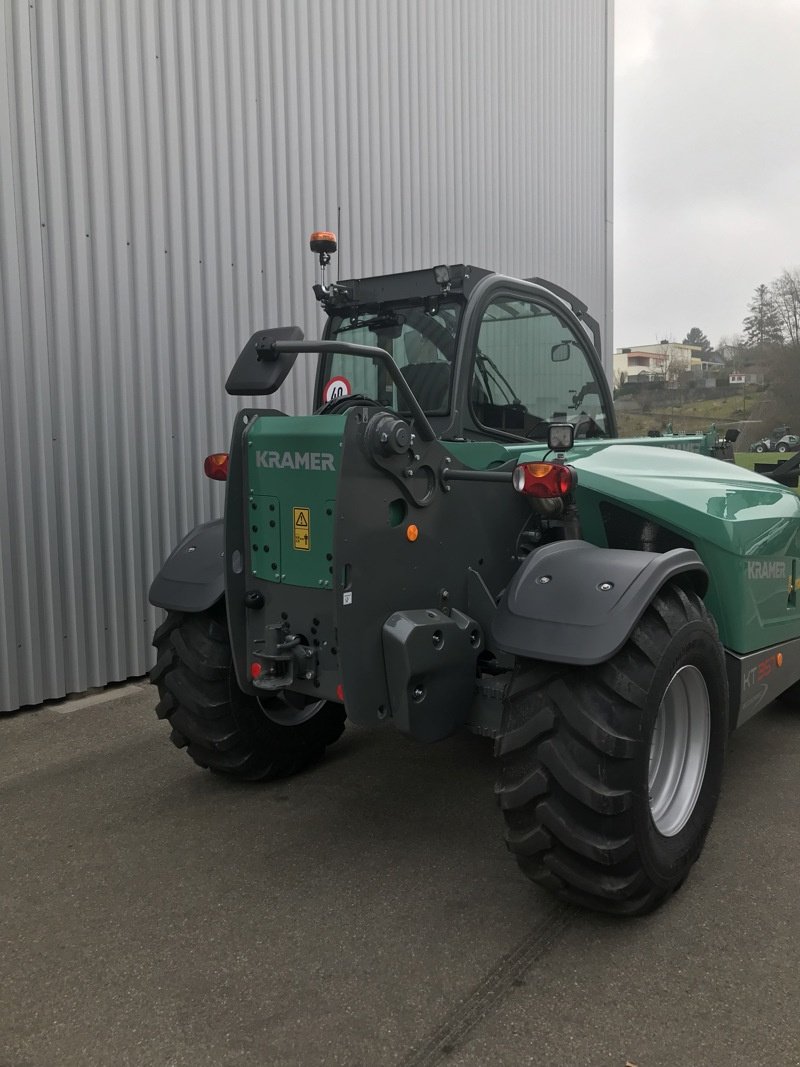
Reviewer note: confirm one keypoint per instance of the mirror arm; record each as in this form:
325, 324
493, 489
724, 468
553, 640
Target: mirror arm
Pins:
381, 357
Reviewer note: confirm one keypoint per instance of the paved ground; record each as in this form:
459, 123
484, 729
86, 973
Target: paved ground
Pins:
365, 913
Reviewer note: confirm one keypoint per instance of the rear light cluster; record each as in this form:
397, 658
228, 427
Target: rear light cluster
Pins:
544, 480
216, 466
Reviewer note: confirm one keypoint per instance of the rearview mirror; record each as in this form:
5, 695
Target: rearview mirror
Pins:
260, 370
561, 352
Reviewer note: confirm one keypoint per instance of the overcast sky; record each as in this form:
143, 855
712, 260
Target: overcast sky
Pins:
707, 161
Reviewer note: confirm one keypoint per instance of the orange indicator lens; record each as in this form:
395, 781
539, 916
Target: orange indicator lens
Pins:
216, 466
412, 532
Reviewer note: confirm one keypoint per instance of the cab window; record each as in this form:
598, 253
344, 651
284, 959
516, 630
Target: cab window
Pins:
530, 369
420, 341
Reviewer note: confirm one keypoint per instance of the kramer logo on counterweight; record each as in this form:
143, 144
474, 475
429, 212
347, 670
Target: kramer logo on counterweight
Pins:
295, 461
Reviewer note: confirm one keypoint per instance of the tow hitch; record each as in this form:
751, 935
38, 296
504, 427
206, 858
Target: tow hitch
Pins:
286, 657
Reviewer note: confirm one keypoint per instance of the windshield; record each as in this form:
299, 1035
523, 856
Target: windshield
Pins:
420, 338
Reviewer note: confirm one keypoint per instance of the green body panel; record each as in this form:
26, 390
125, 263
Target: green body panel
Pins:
292, 470
745, 528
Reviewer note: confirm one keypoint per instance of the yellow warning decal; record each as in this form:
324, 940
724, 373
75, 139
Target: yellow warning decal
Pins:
301, 518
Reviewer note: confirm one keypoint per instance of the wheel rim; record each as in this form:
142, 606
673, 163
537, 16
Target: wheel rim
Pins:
679, 751
285, 712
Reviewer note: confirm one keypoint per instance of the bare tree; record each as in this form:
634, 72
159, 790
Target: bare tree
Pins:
785, 292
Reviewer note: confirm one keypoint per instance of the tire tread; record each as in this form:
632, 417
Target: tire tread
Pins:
566, 748
222, 728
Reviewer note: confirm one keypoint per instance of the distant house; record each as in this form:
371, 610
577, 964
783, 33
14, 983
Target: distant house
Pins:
712, 363
665, 362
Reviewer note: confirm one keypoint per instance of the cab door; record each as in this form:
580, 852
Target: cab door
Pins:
526, 363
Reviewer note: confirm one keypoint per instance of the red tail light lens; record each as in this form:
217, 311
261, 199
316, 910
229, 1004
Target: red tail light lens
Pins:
216, 466
545, 480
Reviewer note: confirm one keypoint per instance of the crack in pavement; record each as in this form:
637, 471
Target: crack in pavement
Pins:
495, 985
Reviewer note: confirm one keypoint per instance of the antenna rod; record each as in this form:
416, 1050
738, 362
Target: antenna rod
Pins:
339, 236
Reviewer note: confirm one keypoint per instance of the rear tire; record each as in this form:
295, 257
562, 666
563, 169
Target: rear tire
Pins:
222, 728
610, 775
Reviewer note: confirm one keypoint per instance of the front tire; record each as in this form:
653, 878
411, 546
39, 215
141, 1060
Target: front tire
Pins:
222, 728
610, 775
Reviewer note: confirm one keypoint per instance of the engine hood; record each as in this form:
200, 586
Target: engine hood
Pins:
697, 496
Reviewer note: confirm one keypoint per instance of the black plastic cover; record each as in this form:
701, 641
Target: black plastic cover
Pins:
430, 670
260, 370
572, 602
193, 578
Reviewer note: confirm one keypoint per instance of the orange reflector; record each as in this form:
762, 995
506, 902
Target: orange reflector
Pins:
779, 659
340, 692
412, 532
216, 466
255, 670
544, 480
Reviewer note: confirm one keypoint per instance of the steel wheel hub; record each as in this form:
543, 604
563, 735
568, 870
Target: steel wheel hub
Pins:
679, 751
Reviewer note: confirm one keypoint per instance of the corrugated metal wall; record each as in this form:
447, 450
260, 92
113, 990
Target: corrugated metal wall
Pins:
161, 164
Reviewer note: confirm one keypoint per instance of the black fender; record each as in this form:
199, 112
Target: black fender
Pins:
193, 577
572, 602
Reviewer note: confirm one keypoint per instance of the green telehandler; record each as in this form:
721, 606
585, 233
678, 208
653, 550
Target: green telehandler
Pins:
457, 538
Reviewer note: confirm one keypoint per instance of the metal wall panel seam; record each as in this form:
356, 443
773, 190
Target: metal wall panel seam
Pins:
144, 530
11, 332
608, 233
77, 490
120, 397
171, 354
302, 85
250, 220
42, 599
101, 366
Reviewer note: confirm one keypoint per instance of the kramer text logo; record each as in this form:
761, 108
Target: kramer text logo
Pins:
757, 568
295, 461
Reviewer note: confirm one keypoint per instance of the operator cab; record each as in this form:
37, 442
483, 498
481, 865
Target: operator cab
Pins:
487, 357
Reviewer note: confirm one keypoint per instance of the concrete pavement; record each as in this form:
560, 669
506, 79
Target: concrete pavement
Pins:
365, 912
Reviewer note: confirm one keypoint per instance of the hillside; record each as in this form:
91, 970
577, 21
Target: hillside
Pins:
722, 411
